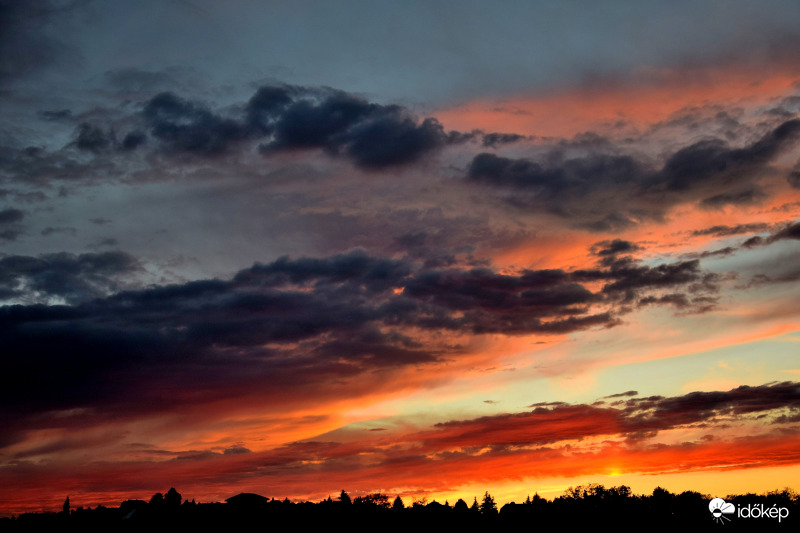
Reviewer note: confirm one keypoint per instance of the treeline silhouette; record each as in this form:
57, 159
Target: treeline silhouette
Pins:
579, 507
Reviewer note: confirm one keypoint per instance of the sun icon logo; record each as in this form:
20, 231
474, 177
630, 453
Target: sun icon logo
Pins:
720, 507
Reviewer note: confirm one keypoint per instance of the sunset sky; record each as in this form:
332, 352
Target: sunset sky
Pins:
427, 248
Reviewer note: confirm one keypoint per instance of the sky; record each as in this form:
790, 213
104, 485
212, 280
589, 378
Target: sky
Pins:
428, 249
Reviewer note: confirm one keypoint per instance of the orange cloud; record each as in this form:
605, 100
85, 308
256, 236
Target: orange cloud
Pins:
658, 95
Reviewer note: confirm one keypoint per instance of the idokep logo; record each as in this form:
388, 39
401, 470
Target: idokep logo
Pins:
762, 511
719, 508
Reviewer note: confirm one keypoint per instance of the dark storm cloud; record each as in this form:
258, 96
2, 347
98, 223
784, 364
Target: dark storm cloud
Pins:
727, 231
630, 277
285, 118
393, 140
490, 140
789, 231
712, 160
608, 192
568, 188
354, 268
73, 277
612, 248
703, 406
556, 421
627, 279
747, 196
373, 136
599, 191
182, 125
289, 325
188, 335
629, 282
571, 177
482, 301
373, 348
268, 104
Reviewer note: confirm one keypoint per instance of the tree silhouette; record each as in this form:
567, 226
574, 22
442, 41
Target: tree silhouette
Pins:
586, 506
488, 507
173, 498
597, 493
398, 504
377, 499
661, 493
421, 503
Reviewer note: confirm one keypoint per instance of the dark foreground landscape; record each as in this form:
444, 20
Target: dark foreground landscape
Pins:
580, 507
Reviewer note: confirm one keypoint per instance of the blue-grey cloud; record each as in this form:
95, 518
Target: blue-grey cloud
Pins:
609, 192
